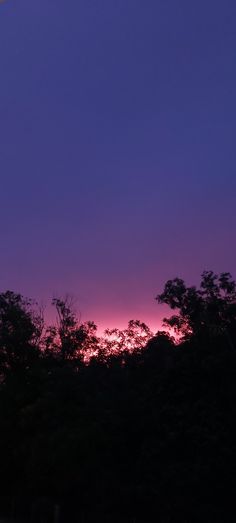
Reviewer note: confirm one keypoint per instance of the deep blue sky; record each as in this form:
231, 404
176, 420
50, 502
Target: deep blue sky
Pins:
117, 149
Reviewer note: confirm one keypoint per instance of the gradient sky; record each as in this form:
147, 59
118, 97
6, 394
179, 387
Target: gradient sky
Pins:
117, 149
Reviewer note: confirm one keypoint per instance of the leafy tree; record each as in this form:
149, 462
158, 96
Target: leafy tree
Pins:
210, 309
90, 346
20, 333
69, 335
133, 338
70, 340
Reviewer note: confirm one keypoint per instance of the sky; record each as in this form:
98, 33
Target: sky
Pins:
117, 150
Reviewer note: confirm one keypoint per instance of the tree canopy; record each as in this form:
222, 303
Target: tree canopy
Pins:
128, 427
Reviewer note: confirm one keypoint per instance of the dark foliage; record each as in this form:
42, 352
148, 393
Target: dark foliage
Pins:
131, 435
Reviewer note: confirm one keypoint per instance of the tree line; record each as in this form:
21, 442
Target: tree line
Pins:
128, 427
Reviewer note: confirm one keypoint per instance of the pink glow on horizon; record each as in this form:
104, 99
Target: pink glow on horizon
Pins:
104, 320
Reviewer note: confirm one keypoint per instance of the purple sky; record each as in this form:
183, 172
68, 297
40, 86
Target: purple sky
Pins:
117, 149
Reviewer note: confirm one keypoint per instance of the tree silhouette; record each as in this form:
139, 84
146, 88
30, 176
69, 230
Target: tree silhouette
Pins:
69, 333
128, 427
116, 341
20, 332
210, 309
